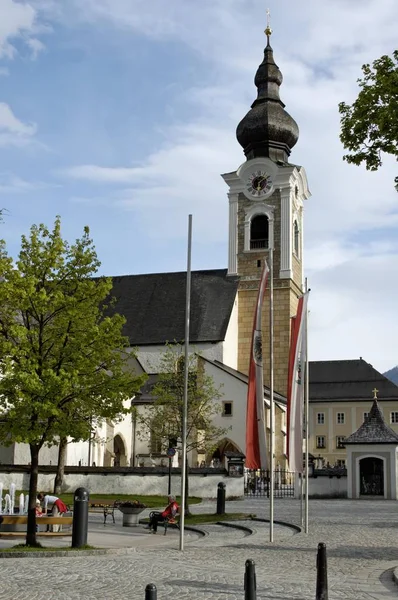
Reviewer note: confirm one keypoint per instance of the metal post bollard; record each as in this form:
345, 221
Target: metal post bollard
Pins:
221, 498
80, 518
250, 580
321, 574
151, 592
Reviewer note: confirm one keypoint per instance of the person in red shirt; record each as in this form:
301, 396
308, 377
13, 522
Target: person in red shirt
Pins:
169, 512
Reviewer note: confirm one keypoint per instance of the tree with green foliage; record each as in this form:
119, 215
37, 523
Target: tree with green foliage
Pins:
369, 127
63, 358
163, 420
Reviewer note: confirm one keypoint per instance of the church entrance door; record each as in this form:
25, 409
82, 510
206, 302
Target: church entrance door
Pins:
371, 475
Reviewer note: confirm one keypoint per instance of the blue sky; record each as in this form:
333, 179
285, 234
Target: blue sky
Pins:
121, 114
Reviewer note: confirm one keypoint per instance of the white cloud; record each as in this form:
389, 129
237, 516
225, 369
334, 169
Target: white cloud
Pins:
100, 174
17, 19
36, 46
12, 184
12, 130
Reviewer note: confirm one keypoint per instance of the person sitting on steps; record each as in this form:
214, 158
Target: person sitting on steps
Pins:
169, 513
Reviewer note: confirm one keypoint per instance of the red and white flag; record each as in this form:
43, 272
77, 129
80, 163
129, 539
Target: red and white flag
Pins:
256, 448
296, 386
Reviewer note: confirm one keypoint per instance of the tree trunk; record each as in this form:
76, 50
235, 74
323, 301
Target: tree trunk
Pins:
34, 474
59, 478
187, 511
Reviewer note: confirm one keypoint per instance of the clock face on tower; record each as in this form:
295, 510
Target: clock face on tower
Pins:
259, 184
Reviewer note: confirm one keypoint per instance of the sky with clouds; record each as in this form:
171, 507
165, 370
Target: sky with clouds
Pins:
121, 114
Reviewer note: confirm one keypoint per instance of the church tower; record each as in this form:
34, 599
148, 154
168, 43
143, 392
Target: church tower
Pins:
266, 197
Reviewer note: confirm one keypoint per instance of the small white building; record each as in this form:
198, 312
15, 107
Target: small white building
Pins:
372, 458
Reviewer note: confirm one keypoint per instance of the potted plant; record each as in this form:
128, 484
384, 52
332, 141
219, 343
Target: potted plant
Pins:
131, 510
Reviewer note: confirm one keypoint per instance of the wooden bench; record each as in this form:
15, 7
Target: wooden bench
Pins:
23, 520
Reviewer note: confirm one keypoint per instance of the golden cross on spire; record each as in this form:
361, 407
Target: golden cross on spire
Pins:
268, 29
375, 394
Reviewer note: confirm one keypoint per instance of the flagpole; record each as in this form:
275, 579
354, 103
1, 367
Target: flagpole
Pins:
186, 374
307, 389
271, 392
301, 481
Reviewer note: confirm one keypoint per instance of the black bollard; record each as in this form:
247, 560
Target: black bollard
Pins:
151, 592
321, 574
221, 498
80, 518
250, 580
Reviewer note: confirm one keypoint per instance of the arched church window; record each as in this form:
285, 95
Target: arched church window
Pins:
296, 233
259, 232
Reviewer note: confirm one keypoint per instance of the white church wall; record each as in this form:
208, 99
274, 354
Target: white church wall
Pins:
77, 453
326, 487
47, 455
230, 344
133, 484
235, 391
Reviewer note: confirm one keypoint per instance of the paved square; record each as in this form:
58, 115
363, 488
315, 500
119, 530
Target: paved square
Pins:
361, 538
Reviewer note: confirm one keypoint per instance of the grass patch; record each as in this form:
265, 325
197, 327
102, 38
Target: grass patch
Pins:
39, 548
149, 501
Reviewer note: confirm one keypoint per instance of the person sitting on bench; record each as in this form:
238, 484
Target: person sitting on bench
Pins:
169, 513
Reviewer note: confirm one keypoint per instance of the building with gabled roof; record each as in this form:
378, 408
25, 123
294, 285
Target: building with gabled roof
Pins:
340, 401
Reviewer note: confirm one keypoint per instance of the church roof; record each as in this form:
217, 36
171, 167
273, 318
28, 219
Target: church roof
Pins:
154, 306
373, 430
349, 380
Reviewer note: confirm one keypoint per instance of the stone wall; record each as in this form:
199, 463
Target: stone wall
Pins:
202, 484
327, 487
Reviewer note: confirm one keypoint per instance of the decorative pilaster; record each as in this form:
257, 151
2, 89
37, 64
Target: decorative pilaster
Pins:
286, 271
302, 247
233, 234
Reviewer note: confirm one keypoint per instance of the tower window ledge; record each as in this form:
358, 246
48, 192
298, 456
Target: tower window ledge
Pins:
259, 244
255, 250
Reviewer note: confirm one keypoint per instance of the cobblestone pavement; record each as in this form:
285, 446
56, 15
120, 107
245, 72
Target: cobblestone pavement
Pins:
361, 539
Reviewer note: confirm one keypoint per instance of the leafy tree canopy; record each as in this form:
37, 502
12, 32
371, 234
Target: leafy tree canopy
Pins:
369, 127
164, 419
62, 358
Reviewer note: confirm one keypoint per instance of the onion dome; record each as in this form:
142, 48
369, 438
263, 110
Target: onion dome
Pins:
267, 129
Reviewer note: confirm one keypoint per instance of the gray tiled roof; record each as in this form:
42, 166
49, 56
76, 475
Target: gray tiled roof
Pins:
154, 306
374, 430
348, 380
